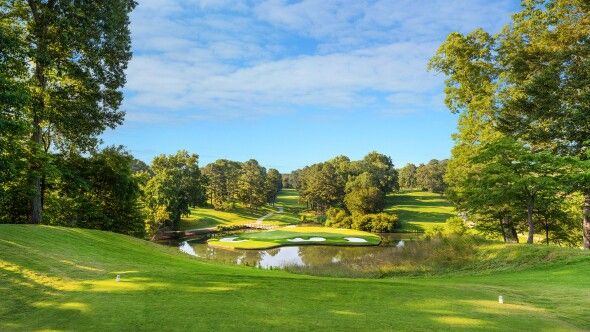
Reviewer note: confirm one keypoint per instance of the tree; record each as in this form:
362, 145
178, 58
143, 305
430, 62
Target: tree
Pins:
222, 177
97, 192
319, 186
407, 176
75, 55
251, 185
529, 82
513, 175
363, 196
274, 184
544, 56
383, 171
14, 129
431, 176
177, 185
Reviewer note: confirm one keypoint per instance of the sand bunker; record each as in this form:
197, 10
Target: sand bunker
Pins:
311, 239
230, 239
355, 239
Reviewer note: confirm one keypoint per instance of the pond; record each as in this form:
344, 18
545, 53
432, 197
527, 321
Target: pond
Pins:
309, 256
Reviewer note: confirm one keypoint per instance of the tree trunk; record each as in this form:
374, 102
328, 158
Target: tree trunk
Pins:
547, 232
508, 230
502, 229
586, 222
37, 198
529, 219
38, 108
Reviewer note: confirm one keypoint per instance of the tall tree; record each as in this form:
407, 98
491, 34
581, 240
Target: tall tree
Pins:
544, 56
513, 175
177, 185
14, 129
363, 195
383, 171
251, 185
407, 176
76, 53
98, 191
274, 184
431, 176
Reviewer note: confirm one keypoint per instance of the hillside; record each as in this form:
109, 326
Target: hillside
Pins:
203, 217
64, 279
419, 211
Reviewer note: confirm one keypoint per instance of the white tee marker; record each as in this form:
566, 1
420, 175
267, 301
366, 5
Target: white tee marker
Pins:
118, 278
501, 299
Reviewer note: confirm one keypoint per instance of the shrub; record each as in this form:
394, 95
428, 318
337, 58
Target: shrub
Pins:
338, 218
455, 225
377, 223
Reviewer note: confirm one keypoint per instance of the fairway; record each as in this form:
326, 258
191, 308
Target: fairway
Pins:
296, 236
419, 211
204, 217
64, 279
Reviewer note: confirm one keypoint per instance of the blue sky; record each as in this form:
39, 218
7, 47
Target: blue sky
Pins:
291, 83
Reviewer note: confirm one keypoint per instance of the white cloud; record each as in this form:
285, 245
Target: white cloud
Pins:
200, 58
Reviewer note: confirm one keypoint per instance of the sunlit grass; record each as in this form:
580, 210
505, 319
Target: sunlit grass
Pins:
281, 236
206, 217
46, 284
419, 211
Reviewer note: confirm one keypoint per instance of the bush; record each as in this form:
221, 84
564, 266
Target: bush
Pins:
338, 218
455, 225
378, 222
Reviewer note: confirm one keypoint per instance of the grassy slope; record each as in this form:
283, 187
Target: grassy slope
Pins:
280, 237
203, 217
63, 279
419, 211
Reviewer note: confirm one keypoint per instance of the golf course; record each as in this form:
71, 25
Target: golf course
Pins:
58, 278
296, 236
294, 165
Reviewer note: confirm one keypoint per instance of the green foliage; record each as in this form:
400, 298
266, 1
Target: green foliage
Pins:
365, 182
363, 195
222, 182
455, 226
338, 218
431, 176
97, 192
407, 176
177, 184
530, 84
62, 66
274, 184
377, 223
251, 186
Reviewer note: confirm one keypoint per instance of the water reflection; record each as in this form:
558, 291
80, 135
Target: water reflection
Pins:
307, 256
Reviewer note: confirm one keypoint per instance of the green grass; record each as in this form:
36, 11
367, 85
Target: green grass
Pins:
64, 279
419, 211
280, 237
289, 199
205, 217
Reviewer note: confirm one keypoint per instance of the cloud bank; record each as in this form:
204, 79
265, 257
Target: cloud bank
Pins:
196, 59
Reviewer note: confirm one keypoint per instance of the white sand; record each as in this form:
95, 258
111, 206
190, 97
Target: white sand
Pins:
311, 239
355, 239
230, 239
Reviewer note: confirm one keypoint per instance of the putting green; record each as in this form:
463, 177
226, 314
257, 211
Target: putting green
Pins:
296, 236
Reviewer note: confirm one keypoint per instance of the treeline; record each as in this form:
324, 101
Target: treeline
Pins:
348, 191
521, 157
230, 182
428, 177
